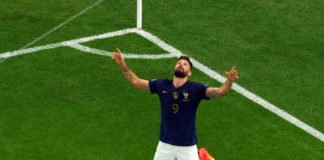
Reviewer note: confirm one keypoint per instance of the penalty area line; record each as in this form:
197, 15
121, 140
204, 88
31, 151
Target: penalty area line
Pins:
66, 43
126, 55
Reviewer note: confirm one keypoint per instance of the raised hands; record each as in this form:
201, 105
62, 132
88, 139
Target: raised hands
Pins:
232, 75
118, 57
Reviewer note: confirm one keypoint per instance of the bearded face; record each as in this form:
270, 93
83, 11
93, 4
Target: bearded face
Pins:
182, 69
179, 73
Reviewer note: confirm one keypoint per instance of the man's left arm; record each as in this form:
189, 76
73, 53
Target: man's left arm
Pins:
231, 76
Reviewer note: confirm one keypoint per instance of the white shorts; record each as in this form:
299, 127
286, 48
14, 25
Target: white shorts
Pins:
166, 151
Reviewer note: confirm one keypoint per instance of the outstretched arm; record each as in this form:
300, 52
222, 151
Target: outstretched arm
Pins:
231, 76
129, 75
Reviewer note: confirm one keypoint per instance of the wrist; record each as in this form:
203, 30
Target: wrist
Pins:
230, 80
121, 64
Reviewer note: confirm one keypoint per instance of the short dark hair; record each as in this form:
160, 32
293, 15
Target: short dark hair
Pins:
187, 59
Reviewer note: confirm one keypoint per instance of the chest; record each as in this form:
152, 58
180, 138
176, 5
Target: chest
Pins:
176, 95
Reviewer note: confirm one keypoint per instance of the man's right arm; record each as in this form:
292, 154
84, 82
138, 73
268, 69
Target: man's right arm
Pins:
128, 74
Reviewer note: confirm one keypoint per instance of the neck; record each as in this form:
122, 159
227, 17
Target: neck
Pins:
178, 82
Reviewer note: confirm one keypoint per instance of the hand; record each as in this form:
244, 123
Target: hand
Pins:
118, 57
232, 75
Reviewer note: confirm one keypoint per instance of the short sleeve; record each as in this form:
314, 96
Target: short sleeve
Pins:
153, 86
202, 91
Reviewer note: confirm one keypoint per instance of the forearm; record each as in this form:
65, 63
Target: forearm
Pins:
231, 76
221, 91
128, 74
224, 89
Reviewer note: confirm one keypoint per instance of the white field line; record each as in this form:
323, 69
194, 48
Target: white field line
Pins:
30, 50
104, 36
62, 24
126, 55
65, 43
253, 97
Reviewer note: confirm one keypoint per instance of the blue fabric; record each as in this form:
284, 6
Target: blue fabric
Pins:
178, 110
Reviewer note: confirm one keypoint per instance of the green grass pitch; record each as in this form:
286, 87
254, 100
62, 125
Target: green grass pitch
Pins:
67, 104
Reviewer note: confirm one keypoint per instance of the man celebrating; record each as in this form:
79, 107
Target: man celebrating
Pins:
179, 100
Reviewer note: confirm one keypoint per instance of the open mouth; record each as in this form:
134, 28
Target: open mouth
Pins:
180, 69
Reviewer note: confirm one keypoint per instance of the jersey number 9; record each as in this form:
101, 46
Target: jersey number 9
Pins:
175, 108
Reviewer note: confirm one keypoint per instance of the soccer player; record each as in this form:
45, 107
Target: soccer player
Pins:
179, 100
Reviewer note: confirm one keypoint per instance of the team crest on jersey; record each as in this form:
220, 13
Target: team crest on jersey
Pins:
185, 96
175, 95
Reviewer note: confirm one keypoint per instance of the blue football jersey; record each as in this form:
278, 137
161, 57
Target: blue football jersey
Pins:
178, 110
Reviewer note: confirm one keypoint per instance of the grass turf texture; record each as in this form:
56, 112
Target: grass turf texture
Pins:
65, 104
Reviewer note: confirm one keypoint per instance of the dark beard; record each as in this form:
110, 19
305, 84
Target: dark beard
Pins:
179, 74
